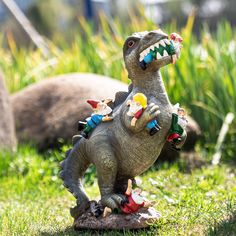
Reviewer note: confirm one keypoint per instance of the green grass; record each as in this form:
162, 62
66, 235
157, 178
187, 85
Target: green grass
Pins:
34, 202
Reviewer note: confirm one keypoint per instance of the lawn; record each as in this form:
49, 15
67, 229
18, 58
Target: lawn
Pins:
34, 202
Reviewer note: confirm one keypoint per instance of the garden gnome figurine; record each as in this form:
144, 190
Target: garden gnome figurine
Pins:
176, 41
133, 203
136, 107
100, 114
177, 133
134, 200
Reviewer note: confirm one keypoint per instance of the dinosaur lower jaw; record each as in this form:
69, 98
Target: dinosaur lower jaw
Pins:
157, 63
160, 52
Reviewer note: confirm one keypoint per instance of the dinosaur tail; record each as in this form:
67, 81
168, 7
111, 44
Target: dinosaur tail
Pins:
73, 168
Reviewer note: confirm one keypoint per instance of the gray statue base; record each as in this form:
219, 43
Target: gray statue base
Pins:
142, 219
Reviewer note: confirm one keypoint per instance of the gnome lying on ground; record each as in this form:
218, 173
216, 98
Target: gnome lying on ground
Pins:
134, 201
100, 114
177, 134
136, 108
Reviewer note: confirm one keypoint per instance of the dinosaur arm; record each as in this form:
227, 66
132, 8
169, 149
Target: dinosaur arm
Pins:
150, 113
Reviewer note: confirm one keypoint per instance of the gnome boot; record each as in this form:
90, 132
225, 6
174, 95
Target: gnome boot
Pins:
154, 130
76, 138
84, 134
175, 148
158, 126
81, 125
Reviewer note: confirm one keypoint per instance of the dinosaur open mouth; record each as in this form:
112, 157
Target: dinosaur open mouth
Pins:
158, 52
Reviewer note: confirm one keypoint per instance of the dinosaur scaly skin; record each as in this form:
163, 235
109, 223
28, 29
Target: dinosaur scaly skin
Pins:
118, 150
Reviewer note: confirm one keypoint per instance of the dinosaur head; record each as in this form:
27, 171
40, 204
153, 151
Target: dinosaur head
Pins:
146, 52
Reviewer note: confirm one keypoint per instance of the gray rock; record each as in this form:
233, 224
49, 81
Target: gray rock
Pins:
7, 129
49, 110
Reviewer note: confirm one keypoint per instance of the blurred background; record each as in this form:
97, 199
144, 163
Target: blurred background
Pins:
87, 36
53, 17
44, 38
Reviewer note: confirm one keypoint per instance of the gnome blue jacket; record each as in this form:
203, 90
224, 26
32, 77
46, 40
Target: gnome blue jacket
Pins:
94, 120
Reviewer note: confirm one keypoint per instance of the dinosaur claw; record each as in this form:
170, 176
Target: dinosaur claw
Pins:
174, 59
112, 201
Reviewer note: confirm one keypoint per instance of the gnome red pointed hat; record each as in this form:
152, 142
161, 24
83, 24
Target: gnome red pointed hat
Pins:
93, 103
176, 37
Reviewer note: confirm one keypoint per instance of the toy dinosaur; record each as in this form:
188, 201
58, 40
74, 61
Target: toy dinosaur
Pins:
119, 150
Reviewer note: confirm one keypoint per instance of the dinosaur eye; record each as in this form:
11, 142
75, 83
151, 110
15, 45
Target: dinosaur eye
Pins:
131, 43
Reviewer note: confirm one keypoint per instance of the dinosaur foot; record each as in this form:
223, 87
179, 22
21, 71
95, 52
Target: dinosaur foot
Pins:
92, 207
113, 201
142, 219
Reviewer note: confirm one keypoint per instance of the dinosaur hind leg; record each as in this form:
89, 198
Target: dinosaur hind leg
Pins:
122, 184
106, 165
73, 169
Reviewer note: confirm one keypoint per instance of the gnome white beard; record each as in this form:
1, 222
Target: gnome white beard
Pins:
134, 107
138, 199
182, 122
177, 46
104, 110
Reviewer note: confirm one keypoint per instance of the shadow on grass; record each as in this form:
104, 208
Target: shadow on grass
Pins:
225, 227
69, 231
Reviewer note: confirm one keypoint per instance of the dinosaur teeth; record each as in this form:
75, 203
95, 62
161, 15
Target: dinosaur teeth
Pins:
165, 54
152, 47
146, 51
155, 48
158, 56
143, 53
141, 57
162, 43
157, 45
167, 42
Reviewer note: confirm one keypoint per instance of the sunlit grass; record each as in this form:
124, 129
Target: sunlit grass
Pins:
34, 202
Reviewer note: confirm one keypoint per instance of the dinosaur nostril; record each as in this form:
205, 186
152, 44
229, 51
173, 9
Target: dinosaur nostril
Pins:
155, 33
150, 35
